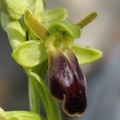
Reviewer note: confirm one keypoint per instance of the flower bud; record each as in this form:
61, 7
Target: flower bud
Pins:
15, 8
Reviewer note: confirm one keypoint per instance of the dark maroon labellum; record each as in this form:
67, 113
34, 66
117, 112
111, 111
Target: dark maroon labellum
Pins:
79, 97
60, 74
67, 82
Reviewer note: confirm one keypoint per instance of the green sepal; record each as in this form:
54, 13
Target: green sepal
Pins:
39, 7
53, 16
50, 103
30, 53
66, 26
23, 115
15, 8
86, 55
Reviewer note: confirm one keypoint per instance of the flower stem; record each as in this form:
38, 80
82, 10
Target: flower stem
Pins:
34, 102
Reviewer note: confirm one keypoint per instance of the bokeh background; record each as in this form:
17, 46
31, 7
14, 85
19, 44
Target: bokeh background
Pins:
103, 76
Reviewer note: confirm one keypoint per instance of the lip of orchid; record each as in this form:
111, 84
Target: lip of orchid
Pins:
66, 82
81, 86
60, 73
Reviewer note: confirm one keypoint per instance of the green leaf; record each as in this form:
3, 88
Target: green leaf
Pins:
66, 26
86, 55
41, 93
23, 115
13, 118
34, 25
53, 16
30, 53
13, 7
2, 114
51, 105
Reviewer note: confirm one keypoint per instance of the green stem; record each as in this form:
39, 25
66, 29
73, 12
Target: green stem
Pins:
34, 99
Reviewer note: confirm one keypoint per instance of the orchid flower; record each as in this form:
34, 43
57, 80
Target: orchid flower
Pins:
44, 41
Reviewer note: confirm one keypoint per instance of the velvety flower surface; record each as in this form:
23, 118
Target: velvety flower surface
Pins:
60, 73
67, 82
80, 88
